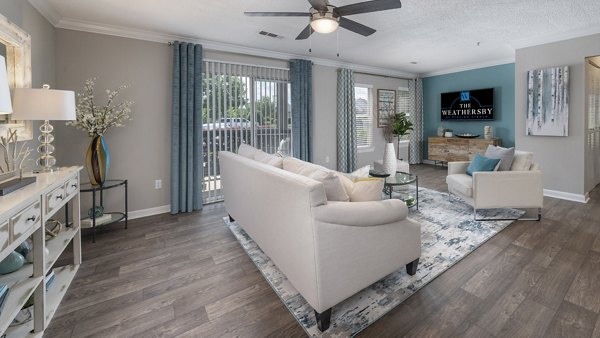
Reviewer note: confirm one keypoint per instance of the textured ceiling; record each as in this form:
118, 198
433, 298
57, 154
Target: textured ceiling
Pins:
437, 34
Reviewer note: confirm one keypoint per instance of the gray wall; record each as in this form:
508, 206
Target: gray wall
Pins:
561, 158
140, 151
325, 115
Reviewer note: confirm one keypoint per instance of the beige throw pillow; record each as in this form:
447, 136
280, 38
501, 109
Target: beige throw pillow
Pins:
363, 189
246, 151
522, 161
367, 189
334, 188
361, 172
269, 159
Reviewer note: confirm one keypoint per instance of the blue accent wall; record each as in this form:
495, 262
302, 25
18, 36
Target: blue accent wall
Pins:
501, 78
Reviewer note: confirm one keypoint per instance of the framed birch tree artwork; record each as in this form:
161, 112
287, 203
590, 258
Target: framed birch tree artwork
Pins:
386, 105
548, 102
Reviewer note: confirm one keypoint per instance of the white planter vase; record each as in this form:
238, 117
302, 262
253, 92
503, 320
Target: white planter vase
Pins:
389, 159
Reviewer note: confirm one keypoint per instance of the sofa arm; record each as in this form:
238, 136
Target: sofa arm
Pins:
458, 167
508, 189
361, 214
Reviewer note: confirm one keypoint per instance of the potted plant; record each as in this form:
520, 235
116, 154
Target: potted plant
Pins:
448, 133
401, 126
396, 125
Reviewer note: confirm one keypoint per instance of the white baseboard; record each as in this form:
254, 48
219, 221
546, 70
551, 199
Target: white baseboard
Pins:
149, 212
567, 196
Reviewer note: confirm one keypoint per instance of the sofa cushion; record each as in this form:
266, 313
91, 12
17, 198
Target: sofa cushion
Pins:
366, 189
482, 163
269, 159
522, 161
300, 167
462, 183
362, 189
334, 189
505, 155
361, 172
246, 150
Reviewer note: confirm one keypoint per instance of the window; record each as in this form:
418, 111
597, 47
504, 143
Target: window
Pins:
242, 104
363, 101
402, 101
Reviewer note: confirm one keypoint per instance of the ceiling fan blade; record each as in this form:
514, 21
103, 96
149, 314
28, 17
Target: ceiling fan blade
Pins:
320, 5
276, 14
356, 27
306, 32
368, 7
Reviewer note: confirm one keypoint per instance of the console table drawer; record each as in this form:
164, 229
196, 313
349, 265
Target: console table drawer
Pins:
54, 199
4, 235
72, 186
25, 220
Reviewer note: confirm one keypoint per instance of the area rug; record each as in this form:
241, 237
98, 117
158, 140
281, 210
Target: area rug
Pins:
448, 234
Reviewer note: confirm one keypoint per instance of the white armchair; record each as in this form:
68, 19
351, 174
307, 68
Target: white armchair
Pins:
522, 189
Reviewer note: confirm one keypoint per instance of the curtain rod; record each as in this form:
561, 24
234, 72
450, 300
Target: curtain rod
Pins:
170, 43
245, 64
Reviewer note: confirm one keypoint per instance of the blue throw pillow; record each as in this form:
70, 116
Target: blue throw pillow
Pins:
481, 163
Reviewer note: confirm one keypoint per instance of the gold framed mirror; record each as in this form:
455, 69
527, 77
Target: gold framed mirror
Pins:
18, 67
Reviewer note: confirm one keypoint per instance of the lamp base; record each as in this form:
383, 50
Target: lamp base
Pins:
46, 160
41, 170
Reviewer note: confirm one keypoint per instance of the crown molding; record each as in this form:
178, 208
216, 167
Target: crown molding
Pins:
46, 10
573, 34
152, 36
470, 67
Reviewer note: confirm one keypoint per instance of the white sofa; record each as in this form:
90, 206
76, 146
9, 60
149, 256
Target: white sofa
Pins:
521, 187
327, 250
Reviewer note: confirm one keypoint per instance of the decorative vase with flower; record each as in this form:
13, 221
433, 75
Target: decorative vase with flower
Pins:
96, 120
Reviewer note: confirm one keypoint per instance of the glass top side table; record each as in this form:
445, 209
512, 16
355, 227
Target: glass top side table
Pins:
402, 179
115, 216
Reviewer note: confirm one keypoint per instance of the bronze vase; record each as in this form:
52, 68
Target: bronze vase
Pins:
97, 160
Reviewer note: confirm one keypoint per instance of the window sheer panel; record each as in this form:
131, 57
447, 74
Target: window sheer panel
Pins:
363, 99
402, 101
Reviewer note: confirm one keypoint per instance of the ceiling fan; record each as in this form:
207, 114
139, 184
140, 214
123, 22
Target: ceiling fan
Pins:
325, 18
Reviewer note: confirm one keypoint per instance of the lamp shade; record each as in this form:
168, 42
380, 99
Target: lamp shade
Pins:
5, 103
43, 104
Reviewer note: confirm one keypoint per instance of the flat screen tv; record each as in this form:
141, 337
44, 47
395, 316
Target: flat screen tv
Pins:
468, 105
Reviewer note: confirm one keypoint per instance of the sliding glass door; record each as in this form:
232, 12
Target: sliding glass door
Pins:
242, 104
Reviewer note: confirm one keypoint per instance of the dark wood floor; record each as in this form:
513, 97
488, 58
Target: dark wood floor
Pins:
187, 276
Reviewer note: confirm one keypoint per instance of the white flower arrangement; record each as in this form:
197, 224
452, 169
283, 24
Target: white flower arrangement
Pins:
96, 120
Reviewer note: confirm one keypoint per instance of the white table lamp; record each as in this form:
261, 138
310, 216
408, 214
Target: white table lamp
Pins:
44, 104
5, 103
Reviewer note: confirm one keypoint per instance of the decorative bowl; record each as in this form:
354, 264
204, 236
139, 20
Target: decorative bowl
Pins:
467, 135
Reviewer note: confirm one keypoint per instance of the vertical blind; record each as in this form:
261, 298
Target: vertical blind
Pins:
402, 101
242, 104
364, 116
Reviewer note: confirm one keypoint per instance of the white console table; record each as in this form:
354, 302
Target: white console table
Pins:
23, 213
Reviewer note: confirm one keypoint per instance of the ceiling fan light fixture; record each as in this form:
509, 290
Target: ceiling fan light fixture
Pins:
324, 22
